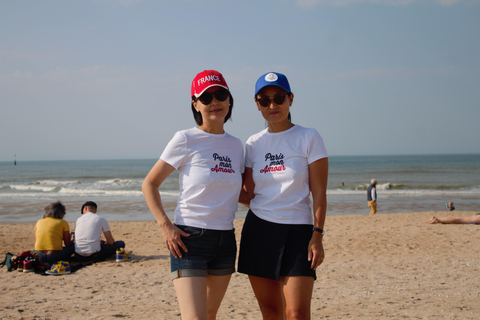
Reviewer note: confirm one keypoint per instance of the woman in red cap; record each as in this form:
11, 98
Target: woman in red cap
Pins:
281, 243
201, 241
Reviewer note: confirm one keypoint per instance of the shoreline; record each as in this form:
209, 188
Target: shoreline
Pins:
136, 209
376, 267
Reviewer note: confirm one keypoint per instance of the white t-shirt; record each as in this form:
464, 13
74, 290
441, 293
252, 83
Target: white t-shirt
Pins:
210, 175
279, 162
88, 230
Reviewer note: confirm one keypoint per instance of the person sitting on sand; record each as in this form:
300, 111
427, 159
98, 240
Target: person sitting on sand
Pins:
88, 230
456, 220
50, 232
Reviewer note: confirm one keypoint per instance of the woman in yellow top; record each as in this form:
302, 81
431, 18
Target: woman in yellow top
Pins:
50, 232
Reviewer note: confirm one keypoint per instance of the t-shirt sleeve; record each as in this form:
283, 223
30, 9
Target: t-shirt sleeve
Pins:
248, 154
175, 151
104, 224
242, 159
316, 147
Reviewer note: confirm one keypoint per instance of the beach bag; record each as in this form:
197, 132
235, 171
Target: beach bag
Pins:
17, 260
8, 262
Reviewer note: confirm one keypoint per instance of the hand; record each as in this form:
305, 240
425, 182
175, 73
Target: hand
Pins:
315, 250
173, 239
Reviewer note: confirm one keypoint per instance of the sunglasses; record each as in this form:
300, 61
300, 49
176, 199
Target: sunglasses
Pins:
277, 99
207, 97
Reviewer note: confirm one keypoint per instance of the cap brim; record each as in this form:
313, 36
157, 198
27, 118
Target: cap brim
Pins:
273, 85
210, 86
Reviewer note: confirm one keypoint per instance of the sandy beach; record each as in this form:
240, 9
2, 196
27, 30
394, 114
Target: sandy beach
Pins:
387, 266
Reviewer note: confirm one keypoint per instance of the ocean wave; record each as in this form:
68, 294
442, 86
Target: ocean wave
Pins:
33, 188
55, 182
113, 181
401, 186
118, 181
32, 191
99, 192
135, 191
409, 192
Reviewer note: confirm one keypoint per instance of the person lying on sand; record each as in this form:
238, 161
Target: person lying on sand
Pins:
472, 219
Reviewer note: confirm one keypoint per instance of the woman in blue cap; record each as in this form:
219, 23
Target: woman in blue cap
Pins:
281, 243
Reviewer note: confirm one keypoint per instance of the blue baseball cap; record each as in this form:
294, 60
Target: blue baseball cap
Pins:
272, 79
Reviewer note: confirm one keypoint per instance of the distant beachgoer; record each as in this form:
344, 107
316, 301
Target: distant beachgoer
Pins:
50, 232
202, 241
372, 196
88, 231
281, 245
456, 220
450, 206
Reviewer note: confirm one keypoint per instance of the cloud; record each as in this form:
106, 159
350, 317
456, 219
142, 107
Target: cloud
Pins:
345, 3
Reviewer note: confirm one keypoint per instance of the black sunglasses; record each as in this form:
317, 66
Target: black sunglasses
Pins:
277, 99
207, 97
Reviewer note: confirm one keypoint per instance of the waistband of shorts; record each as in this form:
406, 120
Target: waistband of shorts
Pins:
203, 229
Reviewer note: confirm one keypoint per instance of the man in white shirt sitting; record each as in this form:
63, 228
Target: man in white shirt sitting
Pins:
88, 231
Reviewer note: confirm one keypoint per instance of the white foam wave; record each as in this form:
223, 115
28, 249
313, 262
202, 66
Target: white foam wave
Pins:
100, 192
386, 186
170, 194
32, 188
117, 181
412, 192
29, 191
56, 182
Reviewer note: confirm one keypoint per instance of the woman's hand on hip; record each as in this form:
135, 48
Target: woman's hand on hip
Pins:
173, 239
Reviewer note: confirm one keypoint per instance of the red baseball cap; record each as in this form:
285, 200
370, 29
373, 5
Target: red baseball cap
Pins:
205, 80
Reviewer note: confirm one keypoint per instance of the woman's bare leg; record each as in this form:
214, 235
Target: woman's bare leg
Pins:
298, 297
200, 297
192, 297
455, 220
216, 288
270, 297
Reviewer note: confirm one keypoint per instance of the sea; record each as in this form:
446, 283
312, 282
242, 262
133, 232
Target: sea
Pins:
406, 183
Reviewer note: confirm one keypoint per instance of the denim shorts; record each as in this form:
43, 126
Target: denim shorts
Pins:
210, 252
273, 250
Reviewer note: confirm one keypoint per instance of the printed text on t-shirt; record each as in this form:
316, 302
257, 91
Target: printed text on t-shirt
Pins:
225, 164
276, 163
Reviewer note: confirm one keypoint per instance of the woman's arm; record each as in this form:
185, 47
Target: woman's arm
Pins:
171, 234
66, 238
318, 174
247, 192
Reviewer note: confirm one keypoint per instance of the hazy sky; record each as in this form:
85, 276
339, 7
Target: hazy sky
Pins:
110, 79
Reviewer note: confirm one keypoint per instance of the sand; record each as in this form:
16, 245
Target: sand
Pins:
387, 266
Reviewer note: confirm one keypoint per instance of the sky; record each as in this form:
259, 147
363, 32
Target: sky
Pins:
110, 79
